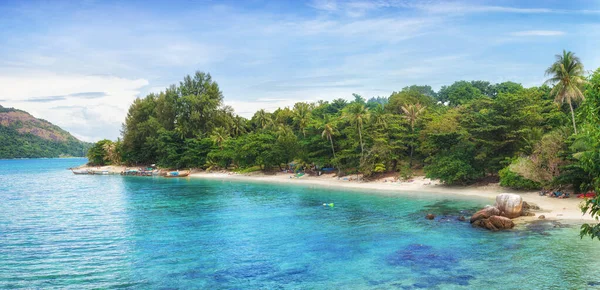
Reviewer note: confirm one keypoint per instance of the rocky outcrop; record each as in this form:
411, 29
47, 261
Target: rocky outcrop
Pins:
510, 205
529, 206
495, 223
430, 216
498, 217
485, 213
501, 223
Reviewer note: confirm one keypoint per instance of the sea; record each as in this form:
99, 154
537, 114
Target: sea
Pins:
64, 231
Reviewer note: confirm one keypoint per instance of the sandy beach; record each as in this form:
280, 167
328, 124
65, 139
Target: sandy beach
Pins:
566, 210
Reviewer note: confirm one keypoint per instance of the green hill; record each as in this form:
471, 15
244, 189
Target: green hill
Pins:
24, 136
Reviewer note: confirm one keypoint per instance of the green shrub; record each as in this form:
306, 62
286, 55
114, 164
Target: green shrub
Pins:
452, 170
516, 181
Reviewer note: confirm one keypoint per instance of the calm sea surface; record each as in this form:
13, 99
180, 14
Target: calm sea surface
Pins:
58, 230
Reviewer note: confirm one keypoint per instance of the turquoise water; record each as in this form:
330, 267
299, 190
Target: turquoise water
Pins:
58, 230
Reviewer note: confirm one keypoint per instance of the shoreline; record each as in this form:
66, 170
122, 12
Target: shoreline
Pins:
554, 209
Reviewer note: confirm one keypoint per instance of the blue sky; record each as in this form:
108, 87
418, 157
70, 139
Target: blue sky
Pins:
80, 64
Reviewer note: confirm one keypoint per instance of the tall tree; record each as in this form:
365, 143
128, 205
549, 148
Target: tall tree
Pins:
328, 131
218, 136
262, 118
566, 74
357, 114
301, 116
412, 113
238, 126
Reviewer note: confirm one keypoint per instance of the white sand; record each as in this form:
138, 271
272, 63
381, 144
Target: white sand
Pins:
566, 210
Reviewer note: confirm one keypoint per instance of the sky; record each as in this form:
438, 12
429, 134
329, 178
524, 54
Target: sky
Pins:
81, 64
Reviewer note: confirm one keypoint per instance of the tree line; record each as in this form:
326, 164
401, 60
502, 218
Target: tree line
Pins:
528, 138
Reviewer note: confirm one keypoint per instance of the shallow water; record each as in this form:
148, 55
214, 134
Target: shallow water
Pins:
58, 230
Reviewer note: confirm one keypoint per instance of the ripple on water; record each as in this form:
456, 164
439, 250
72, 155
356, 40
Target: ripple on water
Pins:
77, 232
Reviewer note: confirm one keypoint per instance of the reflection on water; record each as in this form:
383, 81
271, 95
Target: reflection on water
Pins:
64, 231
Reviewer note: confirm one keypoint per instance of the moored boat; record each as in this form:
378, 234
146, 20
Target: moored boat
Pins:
80, 171
177, 174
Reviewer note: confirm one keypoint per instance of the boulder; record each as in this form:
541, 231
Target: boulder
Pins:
430, 216
501, 223
542, 217
510, 205
527, 207
485, 213
462, 218
486, 224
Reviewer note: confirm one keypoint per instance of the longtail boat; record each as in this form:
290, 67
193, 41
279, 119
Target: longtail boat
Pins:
80, 171
177, 174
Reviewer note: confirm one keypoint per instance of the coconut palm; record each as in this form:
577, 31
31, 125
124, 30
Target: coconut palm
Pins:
112, 156
328, 131
357, 114
263, 118
301, 116
378, 115
238, 125
219, 135
566, 74
411, 114
283, 131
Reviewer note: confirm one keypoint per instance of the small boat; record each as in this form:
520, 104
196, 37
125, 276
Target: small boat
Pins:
80, 171
177, 174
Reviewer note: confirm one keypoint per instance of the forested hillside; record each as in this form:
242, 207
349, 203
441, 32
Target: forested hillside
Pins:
24, 136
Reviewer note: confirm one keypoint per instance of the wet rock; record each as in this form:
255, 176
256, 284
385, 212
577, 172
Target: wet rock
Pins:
485, 213
501, 223
527, 207
510, 205
462, 218
542, 217
487, 224
430, 216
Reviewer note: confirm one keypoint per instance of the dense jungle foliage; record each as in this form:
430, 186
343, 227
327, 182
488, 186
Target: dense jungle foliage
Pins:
528, 138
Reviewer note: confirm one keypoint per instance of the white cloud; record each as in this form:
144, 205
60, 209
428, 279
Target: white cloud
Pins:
360, 8
325, 5
91, 107
538, 33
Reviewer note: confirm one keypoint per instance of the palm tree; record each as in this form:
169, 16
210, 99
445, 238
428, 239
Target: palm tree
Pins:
219, 135
411, 114
357, 114
301, 116
112, 156
263, 118
283, 131
378, 114
238, 125
566, 74
328, 131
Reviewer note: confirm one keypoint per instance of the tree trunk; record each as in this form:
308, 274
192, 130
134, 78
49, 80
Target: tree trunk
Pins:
573, 116
412, 147
332, 149
361, 144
